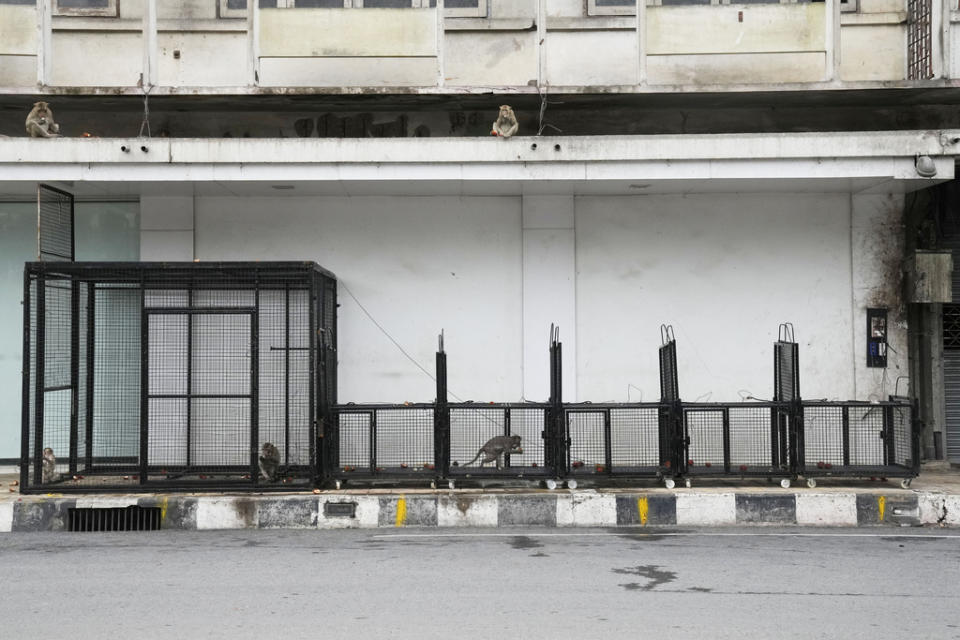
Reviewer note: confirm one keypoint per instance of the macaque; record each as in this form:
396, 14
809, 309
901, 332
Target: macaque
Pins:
496, 447
40, 122
506, 123
269, 461
49, 467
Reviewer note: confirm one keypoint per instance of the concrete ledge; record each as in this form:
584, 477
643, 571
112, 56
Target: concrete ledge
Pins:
343, 509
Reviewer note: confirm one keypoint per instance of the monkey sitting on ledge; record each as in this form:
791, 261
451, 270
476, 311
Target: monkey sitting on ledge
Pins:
40, 122
506, 123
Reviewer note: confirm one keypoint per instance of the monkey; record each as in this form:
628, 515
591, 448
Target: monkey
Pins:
49, 467
40, 122
506, 123
269, 461
495, 448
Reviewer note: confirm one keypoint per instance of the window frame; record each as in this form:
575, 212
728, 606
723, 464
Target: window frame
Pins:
848, 6
112, 10
480, 11
223, 11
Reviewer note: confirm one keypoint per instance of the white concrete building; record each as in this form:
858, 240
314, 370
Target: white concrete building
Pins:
721, 167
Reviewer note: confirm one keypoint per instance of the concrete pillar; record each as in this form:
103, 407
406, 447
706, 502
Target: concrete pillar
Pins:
166, 228
549, 292
935, 416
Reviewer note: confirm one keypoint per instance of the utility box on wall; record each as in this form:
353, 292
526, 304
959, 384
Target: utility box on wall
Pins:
929, 276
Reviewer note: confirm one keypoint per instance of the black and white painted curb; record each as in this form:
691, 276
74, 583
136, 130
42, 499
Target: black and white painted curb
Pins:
574, 509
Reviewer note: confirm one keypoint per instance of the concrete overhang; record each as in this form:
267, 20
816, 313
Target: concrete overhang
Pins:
854, 162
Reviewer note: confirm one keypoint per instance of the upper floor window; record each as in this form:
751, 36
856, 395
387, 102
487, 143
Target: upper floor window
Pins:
107, 8
452, 8
628, 7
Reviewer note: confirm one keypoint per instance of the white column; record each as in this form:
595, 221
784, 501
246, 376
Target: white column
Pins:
440, 42
549, 292
44, 39
253, 41
832, 45
541, 43
151, 52
166, 228
641, 42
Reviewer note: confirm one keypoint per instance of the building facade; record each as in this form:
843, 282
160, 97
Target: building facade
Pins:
719, 167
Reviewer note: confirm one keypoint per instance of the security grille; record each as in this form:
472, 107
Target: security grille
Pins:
132, 518
55, 240
951, 326
919, 40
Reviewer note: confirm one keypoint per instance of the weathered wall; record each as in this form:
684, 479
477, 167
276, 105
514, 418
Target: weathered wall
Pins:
725, 270
685, 45
104, 231
418, 265
18, 45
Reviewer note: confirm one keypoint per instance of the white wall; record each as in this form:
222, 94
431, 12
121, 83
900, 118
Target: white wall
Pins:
418, 265
725, 270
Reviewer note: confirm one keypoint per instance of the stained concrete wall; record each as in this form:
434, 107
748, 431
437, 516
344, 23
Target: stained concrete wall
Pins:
725, 270
18, 45
417, 264
104, 231
685, 45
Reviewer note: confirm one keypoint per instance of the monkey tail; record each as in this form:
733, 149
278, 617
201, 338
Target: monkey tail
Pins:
466, 464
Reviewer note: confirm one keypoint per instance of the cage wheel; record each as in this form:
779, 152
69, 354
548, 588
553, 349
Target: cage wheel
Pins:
811, 483
785, 483
338, 484
905, 483
451, 484
688, 482
669, 483
550, 484
571, 484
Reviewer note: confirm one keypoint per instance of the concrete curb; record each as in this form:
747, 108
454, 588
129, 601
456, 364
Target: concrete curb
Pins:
585, 508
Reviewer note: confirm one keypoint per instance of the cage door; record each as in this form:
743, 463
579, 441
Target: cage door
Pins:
202, 408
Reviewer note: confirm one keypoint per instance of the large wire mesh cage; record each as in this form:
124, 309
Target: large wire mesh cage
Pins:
176, 375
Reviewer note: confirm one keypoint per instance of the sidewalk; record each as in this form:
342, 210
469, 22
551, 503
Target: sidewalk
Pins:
933, 500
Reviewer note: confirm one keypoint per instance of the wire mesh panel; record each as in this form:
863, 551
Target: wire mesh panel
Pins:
384, 440
55, 237
193, 375
635, 440
734, 439
483, 437
859, 439
613, 439
786, 371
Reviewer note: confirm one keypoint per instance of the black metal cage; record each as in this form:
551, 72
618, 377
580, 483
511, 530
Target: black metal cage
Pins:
166, 375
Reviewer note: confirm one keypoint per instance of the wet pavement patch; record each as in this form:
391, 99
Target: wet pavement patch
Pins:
654, 575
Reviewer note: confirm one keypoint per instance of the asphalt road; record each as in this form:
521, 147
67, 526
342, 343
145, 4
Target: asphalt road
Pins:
528, 583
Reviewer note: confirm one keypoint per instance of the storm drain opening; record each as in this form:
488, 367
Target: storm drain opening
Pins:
340, 509
132, 518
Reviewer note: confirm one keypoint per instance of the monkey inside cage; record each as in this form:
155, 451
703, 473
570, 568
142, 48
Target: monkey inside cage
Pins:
175, 375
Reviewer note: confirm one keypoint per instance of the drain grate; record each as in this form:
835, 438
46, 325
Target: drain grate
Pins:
340, 509
132, 518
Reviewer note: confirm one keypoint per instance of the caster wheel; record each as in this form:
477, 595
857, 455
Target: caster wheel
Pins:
452, 485
688, 483
550, 484
785, 483
338, 484
669, 483
811, 483
571, 484
433, 484
905, 483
